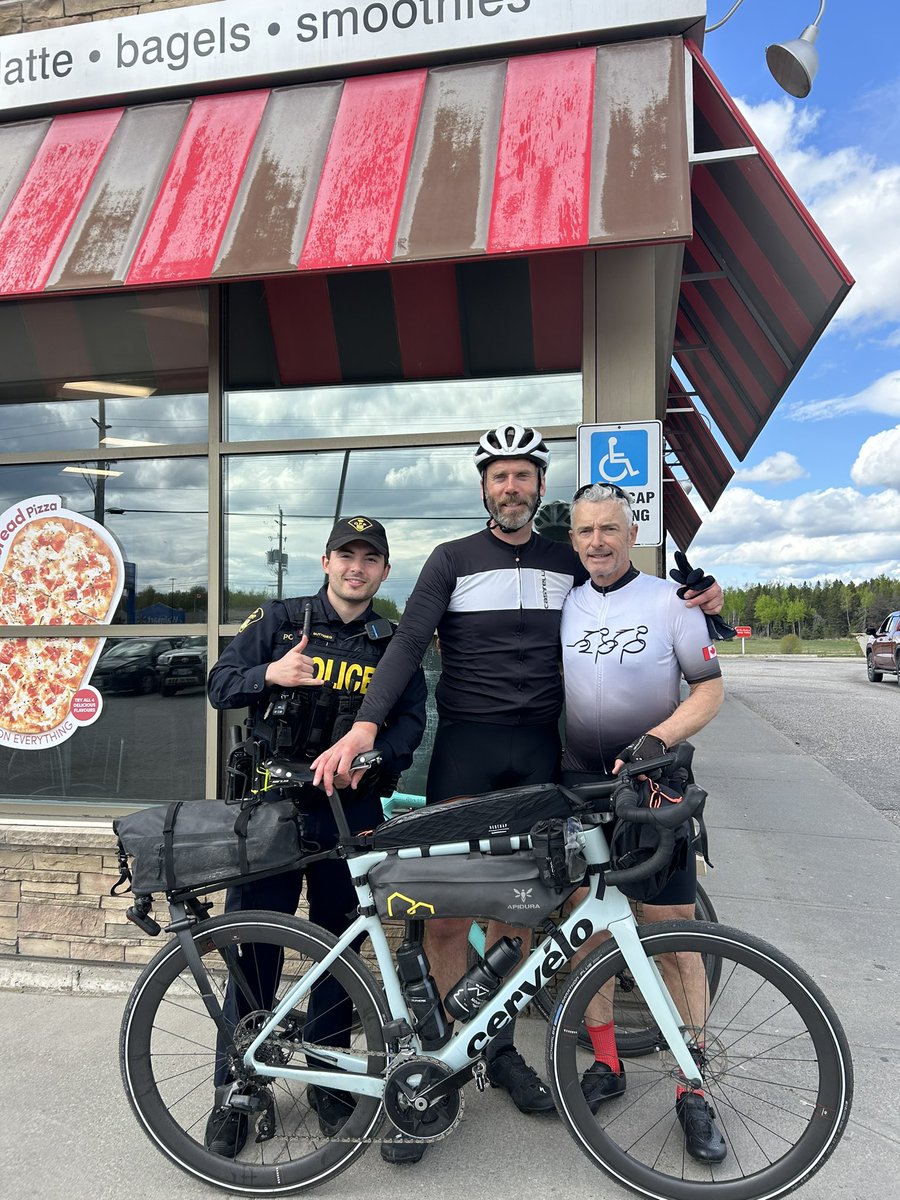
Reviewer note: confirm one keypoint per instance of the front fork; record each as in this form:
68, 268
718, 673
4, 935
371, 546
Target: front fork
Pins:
647, 977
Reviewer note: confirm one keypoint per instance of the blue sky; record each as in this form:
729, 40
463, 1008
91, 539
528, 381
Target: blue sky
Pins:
818, 496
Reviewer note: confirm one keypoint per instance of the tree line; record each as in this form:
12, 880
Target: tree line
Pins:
820, 610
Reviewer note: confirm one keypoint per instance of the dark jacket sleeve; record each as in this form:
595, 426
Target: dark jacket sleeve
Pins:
426, 605
400, 736
239, 676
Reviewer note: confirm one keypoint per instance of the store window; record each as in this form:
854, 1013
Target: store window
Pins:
105, 527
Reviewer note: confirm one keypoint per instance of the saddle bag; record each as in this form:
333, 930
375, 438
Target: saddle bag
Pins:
507, 887
202, 846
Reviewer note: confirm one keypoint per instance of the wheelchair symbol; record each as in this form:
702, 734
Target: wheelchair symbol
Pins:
615, 466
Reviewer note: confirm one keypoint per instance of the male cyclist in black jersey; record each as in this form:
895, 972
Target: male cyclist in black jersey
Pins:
495, 599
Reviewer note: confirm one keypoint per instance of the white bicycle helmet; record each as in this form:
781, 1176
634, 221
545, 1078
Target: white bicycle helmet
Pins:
512, 441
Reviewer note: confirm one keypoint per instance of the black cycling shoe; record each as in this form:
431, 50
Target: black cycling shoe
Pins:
396, 1149
509, 1070
226, 1128
702, 1138
331, 1108
600, 1082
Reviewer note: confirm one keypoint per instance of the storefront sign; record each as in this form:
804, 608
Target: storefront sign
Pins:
211, 46
57, 567
629, 455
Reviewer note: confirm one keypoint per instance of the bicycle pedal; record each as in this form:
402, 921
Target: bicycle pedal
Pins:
479, 1074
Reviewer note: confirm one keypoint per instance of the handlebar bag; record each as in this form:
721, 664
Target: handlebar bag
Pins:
206, 845
506, 887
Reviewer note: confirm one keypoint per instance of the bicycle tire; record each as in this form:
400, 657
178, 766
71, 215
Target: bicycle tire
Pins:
168, 1049
632, 1037
776, 1068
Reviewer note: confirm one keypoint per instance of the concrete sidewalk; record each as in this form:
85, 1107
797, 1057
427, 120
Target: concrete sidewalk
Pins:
801, 860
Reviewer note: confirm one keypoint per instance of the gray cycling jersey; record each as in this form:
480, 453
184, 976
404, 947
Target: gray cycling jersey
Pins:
625, 649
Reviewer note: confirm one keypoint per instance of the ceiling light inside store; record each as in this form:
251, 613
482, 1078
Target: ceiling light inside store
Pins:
114, 441
104, 388
88, 471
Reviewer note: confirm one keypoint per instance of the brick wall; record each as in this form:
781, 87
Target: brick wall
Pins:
24, 16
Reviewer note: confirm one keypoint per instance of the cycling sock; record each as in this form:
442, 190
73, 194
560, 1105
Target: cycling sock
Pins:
680, 1089
503, 1041
603, 1039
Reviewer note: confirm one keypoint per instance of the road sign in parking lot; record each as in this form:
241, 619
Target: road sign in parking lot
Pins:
628, 454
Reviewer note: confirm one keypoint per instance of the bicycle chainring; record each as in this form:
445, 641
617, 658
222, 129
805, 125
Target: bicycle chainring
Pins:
409, 1111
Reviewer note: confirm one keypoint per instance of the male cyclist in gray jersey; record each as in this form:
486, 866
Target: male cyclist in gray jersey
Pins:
627, 641
495, 599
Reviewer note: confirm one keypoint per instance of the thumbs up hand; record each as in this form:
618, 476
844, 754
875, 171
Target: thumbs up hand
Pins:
294, 669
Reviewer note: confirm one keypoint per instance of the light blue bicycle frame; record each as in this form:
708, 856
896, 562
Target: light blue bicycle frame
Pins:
468, 1041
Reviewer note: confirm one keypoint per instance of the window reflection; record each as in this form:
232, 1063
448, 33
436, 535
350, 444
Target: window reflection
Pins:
157, 511
146, 745
423, 495
132, 368
402, 408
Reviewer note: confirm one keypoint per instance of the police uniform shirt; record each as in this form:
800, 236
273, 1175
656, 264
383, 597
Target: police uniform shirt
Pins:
343, 655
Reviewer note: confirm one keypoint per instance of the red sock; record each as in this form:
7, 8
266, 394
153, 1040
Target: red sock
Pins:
603, 1039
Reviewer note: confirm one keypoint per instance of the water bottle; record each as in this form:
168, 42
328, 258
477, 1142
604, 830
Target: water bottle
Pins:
481, 982
422, 999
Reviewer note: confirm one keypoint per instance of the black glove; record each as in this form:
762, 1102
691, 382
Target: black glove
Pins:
692, 579
647, 746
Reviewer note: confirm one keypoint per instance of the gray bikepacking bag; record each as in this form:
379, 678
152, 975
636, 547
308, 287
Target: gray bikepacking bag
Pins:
205, 845
511, 887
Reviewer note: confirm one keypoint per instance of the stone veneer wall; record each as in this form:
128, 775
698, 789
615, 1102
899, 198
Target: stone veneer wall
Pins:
25, 16
55, 901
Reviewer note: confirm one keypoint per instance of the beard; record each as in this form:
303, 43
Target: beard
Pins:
511, 520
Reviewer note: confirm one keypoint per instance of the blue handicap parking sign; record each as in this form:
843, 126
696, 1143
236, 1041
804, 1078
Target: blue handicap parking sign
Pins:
621, 456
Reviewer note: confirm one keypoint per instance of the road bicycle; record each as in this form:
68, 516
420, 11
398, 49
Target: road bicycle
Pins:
767, 1049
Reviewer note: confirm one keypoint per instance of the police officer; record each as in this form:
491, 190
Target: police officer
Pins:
302, 666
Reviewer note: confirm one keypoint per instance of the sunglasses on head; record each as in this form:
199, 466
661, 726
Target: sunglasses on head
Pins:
613, 487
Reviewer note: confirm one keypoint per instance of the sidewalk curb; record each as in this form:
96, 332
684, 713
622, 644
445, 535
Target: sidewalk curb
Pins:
65, 977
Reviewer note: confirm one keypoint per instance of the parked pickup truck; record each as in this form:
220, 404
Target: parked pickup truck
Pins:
883, 649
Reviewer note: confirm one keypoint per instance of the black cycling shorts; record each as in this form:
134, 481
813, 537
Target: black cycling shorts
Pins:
470, 757
681, 886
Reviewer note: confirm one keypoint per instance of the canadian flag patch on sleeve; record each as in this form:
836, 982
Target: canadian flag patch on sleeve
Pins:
709, 652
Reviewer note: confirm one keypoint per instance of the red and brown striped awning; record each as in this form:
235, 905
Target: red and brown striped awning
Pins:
576, 148
760, 281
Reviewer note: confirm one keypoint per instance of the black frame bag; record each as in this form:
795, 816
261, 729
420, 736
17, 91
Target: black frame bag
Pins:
197, 846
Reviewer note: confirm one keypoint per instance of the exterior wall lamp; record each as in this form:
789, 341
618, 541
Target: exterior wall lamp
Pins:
793, 64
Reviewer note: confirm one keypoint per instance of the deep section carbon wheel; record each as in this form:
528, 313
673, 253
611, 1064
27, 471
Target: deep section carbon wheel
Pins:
774, 1060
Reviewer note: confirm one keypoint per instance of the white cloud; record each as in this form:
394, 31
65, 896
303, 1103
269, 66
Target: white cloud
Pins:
882, 396
836, 531
780, 467
878, 461
854, 198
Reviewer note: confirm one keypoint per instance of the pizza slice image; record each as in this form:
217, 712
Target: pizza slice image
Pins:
55, 569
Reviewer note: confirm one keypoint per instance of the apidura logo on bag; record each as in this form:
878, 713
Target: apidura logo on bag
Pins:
523, 899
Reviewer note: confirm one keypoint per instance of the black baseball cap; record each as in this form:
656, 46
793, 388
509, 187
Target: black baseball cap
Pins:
358, 529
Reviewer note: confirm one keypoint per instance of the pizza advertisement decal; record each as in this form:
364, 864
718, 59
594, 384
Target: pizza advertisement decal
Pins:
57, 567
